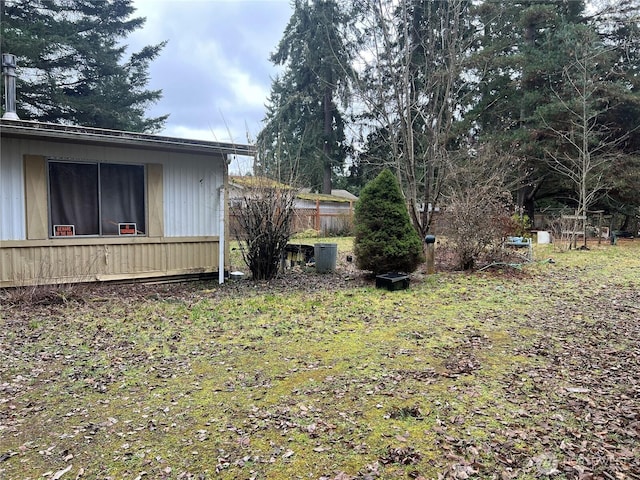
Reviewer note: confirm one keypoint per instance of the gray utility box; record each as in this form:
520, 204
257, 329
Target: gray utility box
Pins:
392, 281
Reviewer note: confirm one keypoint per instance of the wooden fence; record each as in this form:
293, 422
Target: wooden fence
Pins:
327, 223
326, 219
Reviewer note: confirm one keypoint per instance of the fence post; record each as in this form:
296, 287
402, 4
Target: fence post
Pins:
430, 240
351, 215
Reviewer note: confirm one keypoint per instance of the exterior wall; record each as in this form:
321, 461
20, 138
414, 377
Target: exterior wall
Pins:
325, 206
12, 198
191, 197
87, 260
190, 184
183, 208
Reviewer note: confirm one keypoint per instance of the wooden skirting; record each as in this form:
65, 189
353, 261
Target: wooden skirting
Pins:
54, 261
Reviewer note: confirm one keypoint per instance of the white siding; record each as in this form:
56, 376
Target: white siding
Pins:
191, 196
12, 203
190, 184
326, 207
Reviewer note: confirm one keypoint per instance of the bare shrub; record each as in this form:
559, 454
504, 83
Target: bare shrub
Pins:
477, 225
263, 226
563, 233
478, 208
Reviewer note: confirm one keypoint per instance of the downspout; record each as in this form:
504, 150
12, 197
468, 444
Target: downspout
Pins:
221, 237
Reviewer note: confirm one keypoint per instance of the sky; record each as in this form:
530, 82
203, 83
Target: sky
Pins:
214, 72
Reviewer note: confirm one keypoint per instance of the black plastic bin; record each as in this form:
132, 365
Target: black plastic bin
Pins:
393, 281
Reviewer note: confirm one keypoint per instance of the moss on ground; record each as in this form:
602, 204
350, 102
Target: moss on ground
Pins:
459, 375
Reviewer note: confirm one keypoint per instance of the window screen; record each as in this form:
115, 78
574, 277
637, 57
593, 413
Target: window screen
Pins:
96, 198
122, 197
73, 196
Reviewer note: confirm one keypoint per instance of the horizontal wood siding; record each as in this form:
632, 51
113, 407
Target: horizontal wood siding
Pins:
31, 263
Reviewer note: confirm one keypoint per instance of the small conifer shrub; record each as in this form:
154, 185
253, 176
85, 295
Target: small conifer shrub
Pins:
385, 240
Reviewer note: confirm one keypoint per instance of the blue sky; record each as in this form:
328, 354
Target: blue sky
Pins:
215, 72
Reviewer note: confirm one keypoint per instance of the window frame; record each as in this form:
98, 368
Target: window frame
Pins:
99, 188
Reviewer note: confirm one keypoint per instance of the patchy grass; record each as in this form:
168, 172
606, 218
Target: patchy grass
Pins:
499, 374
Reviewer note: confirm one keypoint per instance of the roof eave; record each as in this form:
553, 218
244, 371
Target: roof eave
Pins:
96, 136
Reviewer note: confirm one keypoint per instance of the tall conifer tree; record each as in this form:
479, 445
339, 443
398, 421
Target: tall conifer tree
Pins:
517, 68
304, 127
521, 71
72, 66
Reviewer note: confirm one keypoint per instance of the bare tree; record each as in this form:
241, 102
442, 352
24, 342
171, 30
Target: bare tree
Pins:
412, 61
584, 145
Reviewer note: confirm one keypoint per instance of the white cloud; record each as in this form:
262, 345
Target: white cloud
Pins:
246, 90
214, 72
180, 131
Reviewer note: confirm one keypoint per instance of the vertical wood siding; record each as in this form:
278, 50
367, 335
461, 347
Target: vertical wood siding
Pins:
190, 184
183, 216
191, 197
12, 203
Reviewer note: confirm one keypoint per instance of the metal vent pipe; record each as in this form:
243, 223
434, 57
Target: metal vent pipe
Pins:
9, 74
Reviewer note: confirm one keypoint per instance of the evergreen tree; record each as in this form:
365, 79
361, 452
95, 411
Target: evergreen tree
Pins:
522, 82
619, 27
304, 128
385, 240
577, 133
71, 63
277, 156
517, 67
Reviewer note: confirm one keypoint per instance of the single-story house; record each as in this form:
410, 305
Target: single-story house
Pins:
84, 204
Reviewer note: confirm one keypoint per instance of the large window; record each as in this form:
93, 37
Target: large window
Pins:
96, 199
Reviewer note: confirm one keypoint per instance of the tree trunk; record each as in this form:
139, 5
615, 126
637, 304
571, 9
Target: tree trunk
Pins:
326, 148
